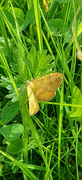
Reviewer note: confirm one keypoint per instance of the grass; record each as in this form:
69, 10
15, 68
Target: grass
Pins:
36, 39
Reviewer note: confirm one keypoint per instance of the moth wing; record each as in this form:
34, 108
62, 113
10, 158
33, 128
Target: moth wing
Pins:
46, 86
45, 96
49, 82
33, 102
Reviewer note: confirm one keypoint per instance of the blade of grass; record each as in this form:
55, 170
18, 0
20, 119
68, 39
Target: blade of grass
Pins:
38, 24
60, 127
77, 151
5, 36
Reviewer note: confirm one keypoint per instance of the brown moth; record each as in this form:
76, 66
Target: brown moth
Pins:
42, 89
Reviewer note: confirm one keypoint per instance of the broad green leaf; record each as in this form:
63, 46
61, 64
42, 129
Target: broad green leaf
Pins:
29, 19
9, 111
15, 146
12, 132
76, 110
55, 26
19, 15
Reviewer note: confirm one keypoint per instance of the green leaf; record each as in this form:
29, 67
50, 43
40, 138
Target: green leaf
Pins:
68, 36
19, 15
9, 111
15, 146
18, 12
29, 19
12, 132
38, 62
55, 26
76, 101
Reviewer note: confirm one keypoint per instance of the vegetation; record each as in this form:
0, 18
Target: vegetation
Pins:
39, 38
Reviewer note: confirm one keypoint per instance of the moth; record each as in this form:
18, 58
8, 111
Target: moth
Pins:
42, 89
